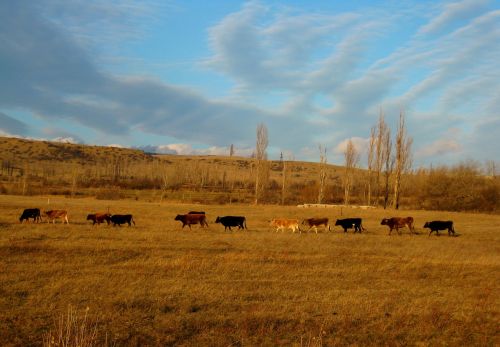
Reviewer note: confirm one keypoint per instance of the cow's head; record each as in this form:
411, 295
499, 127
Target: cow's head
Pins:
217, 220
91, 217
384, 221
337, 222
178, 217
426, 225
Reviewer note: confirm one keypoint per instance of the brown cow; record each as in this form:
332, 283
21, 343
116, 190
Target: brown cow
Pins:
191, 218
52, 215
283, 223
398, 222
99, 218
315, 223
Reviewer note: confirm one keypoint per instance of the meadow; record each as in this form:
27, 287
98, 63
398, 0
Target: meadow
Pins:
156, 284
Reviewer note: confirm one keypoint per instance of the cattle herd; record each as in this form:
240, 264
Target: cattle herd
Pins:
199, 217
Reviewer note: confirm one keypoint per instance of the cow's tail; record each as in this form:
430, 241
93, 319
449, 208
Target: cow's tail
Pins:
132, 220
245, 223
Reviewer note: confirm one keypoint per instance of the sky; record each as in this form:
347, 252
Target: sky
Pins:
194, 77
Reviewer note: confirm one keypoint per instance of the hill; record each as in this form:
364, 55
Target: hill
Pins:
42, 167
22, 150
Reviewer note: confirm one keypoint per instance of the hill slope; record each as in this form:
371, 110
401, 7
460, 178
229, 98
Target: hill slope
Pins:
21, 150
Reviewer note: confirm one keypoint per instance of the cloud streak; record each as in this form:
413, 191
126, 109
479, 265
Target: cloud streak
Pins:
311, 77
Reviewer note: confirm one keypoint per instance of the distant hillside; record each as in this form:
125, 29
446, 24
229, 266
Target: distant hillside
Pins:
21, 150
41, 167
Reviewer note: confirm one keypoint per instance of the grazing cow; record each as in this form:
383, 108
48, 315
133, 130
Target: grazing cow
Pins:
52, 215
31, 213
282, 223
99, 218
315, 223
119, 219
349, 223
437, 225
232, 221
188, 219
398, 222
196, 212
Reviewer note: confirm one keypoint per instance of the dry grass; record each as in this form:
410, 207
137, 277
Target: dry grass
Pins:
155, 284
72, 330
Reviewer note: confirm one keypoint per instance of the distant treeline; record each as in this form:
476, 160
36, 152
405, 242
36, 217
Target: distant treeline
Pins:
464, 187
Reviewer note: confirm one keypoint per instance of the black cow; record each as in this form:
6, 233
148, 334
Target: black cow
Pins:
232, 221
119, 219
349, 223
31, 213
437, 225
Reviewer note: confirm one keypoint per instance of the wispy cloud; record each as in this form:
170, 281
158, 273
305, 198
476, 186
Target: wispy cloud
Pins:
312, 77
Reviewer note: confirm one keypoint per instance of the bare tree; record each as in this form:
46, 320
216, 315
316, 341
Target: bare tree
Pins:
351, 157
284, 172
322, 173
231, 150
388, 160
381, 130
403, 158
260, 161
490, 168
371, 161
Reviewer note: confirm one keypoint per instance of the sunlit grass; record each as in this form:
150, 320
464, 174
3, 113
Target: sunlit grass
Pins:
156, 284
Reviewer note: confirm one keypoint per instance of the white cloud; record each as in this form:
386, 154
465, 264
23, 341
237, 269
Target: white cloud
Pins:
452, 12
188, 149
331, 72
360, 144
438, 148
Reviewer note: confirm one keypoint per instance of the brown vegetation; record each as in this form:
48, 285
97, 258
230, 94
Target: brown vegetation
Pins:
117, 173
155, 284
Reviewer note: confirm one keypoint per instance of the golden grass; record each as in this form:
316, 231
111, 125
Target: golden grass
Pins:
155, 284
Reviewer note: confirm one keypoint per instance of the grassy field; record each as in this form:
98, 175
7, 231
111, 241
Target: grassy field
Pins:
155, 284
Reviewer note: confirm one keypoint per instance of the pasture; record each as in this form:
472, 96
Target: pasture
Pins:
156, 284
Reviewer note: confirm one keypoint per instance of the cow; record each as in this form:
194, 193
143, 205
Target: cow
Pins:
119, 219
52, 215
315, 222
232, 221
99, 218
398, 222
31, 213
196, 212
282, 223
188, 219
349, 223
437, 225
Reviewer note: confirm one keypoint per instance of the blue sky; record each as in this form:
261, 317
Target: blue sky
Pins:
193, 77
